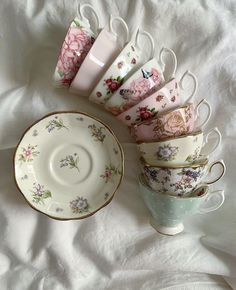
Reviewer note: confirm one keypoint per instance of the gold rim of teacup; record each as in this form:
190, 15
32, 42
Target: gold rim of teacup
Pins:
168, 194
195, 164
162, 114
172, 138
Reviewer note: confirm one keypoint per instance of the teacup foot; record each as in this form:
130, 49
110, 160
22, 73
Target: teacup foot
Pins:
170, 231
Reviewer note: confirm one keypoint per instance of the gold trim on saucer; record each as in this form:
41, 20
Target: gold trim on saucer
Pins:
96, 119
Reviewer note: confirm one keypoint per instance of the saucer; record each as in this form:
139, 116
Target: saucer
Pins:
68, 165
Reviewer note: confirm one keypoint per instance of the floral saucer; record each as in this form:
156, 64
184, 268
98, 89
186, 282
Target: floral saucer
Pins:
68, 165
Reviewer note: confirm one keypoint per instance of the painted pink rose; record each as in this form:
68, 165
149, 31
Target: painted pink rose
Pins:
98, 94
75, 48
175, 123
156, 76
113, 84
144, 113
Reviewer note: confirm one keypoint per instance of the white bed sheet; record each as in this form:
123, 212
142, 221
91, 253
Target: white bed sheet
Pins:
116, 248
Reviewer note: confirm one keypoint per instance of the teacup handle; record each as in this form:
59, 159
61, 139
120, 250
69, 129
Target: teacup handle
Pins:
168, 50
222, 164
195, 84
149, 37
201, 103
216, 145
81, 8
220, 194
123, 23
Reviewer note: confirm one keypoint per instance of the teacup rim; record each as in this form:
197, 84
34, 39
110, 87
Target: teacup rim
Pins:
191, 165
172, 138
163, 114
143, 183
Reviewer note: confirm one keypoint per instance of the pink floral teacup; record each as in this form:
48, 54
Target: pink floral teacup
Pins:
77, 43
143, 83
122, 67
177, 122
104, 50
162, 100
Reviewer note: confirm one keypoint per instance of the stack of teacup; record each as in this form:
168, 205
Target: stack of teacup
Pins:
166, 126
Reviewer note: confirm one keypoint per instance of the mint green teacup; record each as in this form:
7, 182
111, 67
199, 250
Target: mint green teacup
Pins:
168, 212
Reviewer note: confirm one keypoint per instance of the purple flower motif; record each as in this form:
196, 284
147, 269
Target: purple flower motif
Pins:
79, 205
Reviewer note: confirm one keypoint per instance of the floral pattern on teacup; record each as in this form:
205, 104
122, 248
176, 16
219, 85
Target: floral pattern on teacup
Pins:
192, 157
79, 205
28, 153
178, 181
115, 75
139, 89
167, 152
112, 84
40, 193
76, 45
145, 113
175, 123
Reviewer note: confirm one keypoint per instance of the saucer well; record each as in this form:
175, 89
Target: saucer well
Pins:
68, 165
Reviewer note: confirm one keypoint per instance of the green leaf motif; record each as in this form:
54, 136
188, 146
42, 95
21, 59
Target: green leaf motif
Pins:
61, 73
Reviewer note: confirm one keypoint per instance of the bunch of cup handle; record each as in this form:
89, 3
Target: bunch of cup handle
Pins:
218, 193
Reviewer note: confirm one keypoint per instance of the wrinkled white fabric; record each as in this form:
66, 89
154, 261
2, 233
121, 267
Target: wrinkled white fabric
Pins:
116, 248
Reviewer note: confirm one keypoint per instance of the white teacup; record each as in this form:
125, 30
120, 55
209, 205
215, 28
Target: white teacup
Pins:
122, 67
181, 150
104, 50
143, 83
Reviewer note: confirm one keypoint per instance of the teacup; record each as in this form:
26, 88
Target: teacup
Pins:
102, 53
180, 180
143, 83
77, 43
182, 150
122, 67
168, 212
164, 99
174, 123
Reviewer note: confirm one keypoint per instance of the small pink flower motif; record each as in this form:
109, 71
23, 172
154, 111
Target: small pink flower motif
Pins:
28, 153
113, 84
173, 99
120, 64
133, 61
144, 113
159, 98
98, 94
155, 76
127, 117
